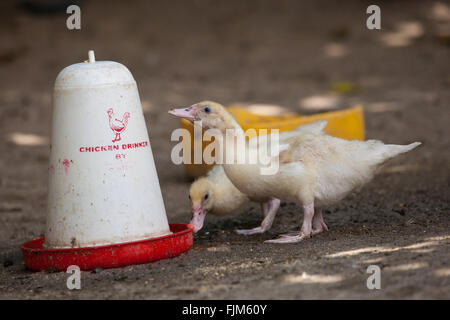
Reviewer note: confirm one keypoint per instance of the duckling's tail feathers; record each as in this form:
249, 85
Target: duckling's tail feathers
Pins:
393, 150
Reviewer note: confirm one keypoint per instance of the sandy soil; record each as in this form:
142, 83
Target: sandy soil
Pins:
278, 52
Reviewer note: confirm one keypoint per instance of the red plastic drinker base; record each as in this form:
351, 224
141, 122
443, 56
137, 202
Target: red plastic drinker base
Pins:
38, 258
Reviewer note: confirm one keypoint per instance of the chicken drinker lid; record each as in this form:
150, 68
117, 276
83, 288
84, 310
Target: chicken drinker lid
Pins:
103, 186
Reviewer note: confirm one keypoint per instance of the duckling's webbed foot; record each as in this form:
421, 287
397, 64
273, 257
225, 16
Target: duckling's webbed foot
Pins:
306, 232
289, 238
269, 210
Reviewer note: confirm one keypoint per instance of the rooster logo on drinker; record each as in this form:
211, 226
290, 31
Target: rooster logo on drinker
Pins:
117, 126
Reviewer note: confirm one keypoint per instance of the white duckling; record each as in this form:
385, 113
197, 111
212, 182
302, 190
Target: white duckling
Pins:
216, 194
314, 169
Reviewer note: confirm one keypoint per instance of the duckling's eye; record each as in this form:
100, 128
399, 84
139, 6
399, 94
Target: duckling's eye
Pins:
189, 196
207, 109
206, 196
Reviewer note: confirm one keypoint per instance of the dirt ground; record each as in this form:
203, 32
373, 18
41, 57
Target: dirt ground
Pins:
288, 53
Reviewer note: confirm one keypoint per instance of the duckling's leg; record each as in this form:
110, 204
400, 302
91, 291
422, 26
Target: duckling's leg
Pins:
306, 231
269, 210
318, 225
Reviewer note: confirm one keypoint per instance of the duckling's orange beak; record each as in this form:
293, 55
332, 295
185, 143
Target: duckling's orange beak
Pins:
188, 113
198, 218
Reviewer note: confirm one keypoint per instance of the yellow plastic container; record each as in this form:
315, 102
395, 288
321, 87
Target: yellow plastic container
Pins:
346, 124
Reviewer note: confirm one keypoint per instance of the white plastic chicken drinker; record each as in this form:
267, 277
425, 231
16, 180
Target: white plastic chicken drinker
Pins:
103, 185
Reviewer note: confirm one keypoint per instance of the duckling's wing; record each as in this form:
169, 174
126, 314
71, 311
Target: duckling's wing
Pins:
289, 145
315, 127
293, 149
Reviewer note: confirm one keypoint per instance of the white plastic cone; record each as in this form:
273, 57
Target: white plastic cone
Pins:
103, 185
